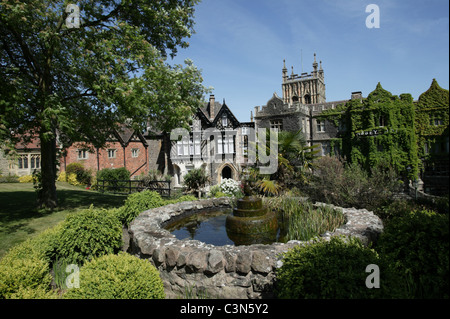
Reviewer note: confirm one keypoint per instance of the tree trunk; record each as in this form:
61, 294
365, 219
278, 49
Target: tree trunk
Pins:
47, 194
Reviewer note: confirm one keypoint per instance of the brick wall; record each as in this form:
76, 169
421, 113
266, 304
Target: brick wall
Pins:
133, 157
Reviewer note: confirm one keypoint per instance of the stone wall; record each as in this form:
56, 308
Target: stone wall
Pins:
196, 268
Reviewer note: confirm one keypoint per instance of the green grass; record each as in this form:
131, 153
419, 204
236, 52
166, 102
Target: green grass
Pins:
20, 219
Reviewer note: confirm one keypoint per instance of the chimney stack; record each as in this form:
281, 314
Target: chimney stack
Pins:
212, 102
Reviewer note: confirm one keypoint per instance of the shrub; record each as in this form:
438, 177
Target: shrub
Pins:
351, 185
72, 179
26, 179
24, 267
137, 203
119, 276
195, 179
418, 243
113, 175
230, 187
62, 177
89, 233
83, 176
184, 198
334, 269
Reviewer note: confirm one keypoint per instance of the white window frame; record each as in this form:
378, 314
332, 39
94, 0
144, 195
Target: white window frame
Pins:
112, 153
82, 154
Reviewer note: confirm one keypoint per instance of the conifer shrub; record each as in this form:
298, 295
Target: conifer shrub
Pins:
334, 269
137, 203
23, 268
90, 233
121, 276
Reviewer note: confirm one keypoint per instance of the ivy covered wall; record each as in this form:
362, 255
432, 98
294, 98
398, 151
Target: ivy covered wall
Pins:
432, 122
377, 129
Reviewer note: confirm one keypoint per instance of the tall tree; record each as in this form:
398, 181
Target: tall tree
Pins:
73, 72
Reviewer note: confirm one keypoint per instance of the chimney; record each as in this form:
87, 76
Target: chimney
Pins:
212, 102
357, 95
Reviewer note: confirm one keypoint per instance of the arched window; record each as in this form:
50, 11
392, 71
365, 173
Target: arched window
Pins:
295, 99
307, 99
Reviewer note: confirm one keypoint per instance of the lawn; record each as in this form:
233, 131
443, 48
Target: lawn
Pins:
20, 219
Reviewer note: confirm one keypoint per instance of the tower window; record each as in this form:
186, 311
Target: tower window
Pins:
295, 99
307, 99
276, 124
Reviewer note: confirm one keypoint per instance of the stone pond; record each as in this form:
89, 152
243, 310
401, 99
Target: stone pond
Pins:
228, 271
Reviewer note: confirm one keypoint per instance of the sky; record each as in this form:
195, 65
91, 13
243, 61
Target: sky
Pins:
240, 46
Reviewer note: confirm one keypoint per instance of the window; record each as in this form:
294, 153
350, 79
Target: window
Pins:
276, 124
23, 162
187, 148
326, 149
382, 121
225, 144
224, 120
320, 126
35, 161
436, 121
82, 154
134, 152
112, 153
307, 99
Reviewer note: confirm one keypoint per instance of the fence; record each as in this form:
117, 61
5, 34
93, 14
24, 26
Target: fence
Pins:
125, 187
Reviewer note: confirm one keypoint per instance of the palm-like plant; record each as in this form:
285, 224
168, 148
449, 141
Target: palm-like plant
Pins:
294, 158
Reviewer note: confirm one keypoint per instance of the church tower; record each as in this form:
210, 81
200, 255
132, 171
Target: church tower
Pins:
303, 89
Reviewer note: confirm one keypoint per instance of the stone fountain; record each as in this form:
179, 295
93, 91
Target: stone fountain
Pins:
251, 222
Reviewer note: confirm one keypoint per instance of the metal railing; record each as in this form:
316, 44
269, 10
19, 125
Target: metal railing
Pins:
125, 187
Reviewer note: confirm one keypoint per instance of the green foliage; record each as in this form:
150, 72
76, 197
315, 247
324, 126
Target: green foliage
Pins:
137, 203
89, 233
418, 244
351, 186
116, 60
378, 129
335, 270
184, 198
112, 176
119, 276
195, 179
432, 122
83, 176
303, 221
24, 268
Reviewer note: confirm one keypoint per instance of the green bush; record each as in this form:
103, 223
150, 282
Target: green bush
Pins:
137, 203
184, 198
334, 269
89, 233
83, 176
418, 243
119, 276
349, 185
195, 179
24, 267
113, 175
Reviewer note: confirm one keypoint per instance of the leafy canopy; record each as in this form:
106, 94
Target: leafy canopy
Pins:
82, 81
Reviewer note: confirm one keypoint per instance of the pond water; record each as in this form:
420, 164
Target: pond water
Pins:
209, 227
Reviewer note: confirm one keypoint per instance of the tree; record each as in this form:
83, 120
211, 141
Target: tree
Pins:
60, 80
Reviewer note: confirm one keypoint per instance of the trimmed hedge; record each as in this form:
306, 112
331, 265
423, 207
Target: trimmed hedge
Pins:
90, 233
121, 276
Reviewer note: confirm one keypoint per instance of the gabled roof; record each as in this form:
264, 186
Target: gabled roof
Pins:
225, 109
125, 135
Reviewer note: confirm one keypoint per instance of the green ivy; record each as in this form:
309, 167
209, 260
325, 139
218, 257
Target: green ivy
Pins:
388, 128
